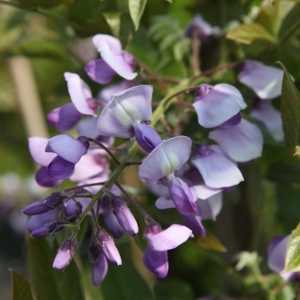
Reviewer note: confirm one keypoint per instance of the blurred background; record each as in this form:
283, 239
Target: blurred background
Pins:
41, 39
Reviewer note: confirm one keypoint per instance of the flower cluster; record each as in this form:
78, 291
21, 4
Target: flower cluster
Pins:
184, 175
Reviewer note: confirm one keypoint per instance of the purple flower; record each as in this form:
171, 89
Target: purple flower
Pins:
146, 136
277, 251
217, 170
99, 269
64, 117
169, 156
80, 93
114, 60
161, 241
265, 81
201, 29
264, 112
87, 127
64, 255
216, 104
109, 248
72, 209
241, 142
125, 110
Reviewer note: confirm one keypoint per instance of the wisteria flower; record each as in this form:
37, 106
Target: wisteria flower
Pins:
114, 60
265, 81
216, 104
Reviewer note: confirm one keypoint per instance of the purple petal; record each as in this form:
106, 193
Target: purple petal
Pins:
167, 157
211, 207
202, 29
146, 136
221, 103
109, 249
242, 142
170, 238
108, 92
36, 208
64, 255
99, 71
43, 178
112, 53
99, 269
37, 148
67, 147
88, 128
72, 209
113, 225
60, 169
194, 222
270, 117
125, 110
182, 196
157, 262
125, 217
217, 170
164, 203
277, 253
65, 117
265, 81
80, 93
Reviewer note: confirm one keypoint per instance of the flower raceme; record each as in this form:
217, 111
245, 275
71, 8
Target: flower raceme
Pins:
184, 175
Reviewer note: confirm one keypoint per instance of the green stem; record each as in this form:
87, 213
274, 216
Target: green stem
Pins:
289, 33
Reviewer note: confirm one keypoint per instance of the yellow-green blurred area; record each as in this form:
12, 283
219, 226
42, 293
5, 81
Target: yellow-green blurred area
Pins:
42, 39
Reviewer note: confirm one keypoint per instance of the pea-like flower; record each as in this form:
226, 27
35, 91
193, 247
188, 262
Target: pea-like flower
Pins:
265, 81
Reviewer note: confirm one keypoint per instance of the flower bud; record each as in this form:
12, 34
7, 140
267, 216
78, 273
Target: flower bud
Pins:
157, 262
36, 208
72, 209
99, 269
64, 255
109, 248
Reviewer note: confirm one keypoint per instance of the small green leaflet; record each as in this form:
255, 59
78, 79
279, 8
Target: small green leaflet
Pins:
136, 10
248, 33
292, 261
290, 109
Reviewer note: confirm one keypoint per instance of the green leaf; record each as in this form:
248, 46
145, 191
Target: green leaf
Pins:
48, 283
125, 282
292, 261
290, 109
136, 10
248, 33
113, 19
173, 289
20, 289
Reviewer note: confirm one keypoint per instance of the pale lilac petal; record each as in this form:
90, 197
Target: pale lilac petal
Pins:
170, 238
99, 71
167, 157
112, 53
93, 163
221, 103
277, 253
106, 94
80, 93
124, 110
64, 255
156, 262
203, 192
110, 250
217, 170
270, 117
242, 142
88, 128
37, 148
211, 207
265, 81
66, 147
164, 203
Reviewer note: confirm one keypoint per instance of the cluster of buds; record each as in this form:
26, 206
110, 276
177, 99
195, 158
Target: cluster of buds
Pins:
185, 176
